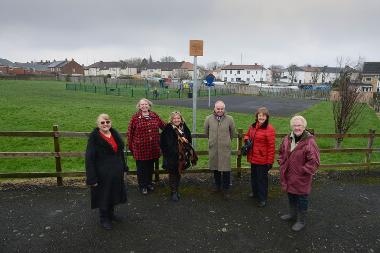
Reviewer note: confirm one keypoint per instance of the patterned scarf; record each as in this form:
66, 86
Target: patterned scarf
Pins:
186, 153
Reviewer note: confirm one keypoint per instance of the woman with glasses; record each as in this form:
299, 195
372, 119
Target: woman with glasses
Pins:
144, 142
106, 170
175, 143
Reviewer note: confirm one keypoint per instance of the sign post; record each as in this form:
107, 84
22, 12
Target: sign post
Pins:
196, 49
210, 82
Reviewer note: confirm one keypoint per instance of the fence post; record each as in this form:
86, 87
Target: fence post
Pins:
157, 170
57, 150
371, 138
238, 158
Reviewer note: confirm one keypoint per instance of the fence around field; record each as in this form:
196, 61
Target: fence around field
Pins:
58, 154
147, 90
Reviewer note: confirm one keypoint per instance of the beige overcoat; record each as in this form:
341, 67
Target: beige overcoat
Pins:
220, 134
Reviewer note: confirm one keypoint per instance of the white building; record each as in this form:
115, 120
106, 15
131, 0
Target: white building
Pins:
244, 73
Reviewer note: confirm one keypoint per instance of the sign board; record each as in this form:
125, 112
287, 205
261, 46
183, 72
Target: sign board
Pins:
196, 47
210, 80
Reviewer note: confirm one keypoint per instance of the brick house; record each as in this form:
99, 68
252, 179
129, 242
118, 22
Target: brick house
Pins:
66, 67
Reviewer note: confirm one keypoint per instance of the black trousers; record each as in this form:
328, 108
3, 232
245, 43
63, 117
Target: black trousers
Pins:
145, 169
174, 178
259, 181
106, 213
222, 179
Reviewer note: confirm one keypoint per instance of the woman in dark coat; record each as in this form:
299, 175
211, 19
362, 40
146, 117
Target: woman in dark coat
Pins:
175, 144
299, 160
105, 170
261, 155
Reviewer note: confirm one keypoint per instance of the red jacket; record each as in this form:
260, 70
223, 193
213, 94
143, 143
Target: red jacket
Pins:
144, 136
297, 167
264, 139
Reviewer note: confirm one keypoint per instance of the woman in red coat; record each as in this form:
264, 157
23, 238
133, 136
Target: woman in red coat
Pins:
144, 142
299, 160
261, 155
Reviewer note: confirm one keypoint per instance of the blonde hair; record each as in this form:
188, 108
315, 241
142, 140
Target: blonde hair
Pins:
145, 100
300, 118
102, 116
174, 114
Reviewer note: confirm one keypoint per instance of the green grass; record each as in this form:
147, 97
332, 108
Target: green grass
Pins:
38, 105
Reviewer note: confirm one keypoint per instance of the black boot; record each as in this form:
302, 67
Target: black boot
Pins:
174, 196
105, 220
113, 217
301, 221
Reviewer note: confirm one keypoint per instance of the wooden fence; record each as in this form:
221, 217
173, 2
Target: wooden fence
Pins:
58, 154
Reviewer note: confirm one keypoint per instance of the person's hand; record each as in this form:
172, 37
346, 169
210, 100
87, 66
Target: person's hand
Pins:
94, 185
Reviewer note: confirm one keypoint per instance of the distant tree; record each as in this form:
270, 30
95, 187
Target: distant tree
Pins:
182, 74
316, 72
292, 70
134, 61
324, 74
168, 59
276, 72
213, 65
347, 107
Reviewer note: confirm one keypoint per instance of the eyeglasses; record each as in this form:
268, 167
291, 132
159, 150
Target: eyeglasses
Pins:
105, 122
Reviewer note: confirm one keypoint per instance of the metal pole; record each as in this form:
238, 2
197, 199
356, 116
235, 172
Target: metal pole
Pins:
209, 94
195, 89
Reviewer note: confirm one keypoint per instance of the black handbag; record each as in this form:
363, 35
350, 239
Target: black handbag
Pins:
246, 147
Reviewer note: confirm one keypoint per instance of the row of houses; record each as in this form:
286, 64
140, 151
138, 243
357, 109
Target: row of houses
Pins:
369, 77
67, 67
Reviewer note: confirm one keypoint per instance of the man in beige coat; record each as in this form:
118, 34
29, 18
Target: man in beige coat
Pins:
220, 129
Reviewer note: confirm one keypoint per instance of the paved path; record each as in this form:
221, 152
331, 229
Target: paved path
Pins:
344, 216
277, 106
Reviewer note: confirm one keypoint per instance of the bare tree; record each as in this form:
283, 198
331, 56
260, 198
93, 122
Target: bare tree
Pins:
347, 106
324, 74
276, 72
292, 70
182, 74
168, 59
213, 65
316, 72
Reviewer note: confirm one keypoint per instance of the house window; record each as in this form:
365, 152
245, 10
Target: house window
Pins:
238, 71
225, 79
248, 72
225, 72
368, 79
230, 71
73, 70
248, 80
232, 79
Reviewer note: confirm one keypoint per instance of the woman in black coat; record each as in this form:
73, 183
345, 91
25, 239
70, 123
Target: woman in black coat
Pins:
105, 170
178, 155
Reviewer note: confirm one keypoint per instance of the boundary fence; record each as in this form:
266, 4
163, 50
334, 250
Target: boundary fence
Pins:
58, 154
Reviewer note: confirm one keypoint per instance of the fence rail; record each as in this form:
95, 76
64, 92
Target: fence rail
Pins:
58, 154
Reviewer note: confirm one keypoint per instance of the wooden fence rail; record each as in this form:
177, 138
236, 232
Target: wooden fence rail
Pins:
58, 154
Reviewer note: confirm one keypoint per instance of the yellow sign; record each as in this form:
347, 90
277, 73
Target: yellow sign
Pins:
196, 47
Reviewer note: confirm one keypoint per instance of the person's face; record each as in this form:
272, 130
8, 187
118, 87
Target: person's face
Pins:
298, 127
144, 106
104, 124
176, 120
261, 118
219, 109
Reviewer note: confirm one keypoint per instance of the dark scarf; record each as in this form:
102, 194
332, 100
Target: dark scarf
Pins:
186, 153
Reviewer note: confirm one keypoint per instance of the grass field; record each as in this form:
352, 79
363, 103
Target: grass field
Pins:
38, 105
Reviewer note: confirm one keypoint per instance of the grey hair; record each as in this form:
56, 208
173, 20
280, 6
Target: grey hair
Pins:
220, 102
300, 118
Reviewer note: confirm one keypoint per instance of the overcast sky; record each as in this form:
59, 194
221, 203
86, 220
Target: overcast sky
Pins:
268, 32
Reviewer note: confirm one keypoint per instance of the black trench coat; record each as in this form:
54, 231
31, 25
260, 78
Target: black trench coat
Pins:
106, 168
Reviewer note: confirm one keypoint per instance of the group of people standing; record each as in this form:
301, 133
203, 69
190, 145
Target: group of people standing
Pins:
106, 167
